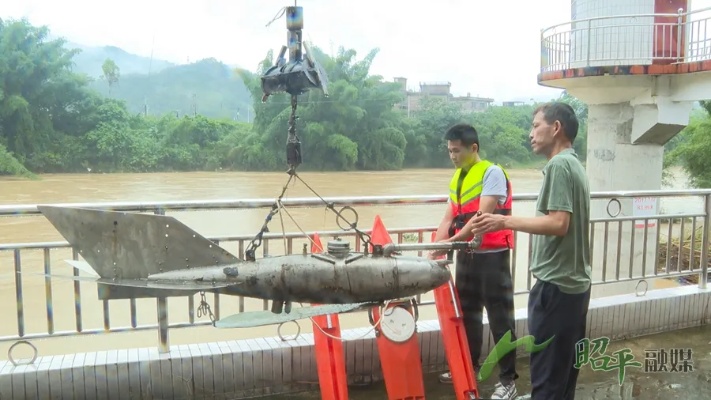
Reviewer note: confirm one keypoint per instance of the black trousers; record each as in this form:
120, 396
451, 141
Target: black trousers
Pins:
554, 313
484, 281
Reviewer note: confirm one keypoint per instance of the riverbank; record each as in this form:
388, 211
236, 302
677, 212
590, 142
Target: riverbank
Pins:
27, 175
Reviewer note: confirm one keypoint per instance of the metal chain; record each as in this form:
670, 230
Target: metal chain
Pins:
204, 308
293, 156
364, 237
293, 145
249, 254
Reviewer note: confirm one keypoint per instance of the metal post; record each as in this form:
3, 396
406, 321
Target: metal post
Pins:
703, 278
587, 61
18, 295
391, 248
162, 325
544, 50
679, 33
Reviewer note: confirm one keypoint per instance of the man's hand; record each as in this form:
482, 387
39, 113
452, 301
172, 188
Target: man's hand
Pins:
434, 254
486, 223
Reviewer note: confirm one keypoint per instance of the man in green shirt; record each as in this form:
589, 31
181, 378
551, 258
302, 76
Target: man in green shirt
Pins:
558, 302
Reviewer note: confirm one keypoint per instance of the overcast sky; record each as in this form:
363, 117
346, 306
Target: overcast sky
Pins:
486, 48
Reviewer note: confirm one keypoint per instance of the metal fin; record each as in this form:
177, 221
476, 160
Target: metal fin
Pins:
145, 284
260, 318
127, 245
82, 266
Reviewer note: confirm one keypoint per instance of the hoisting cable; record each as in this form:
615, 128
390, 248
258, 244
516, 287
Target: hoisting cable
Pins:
293, 145
249, 253
294, 159
298, 75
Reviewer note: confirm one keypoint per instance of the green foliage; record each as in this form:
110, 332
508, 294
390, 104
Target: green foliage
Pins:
356, 127
691, 149
428, 149
581, 110
111, 73
10, 166
38, 94
359, 127
53, 119
140, 144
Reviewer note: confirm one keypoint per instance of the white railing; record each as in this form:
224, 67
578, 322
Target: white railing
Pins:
611, 237
624, 40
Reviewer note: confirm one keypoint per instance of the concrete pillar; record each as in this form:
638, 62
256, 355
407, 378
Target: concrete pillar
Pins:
639, 84
613, 164
625, 152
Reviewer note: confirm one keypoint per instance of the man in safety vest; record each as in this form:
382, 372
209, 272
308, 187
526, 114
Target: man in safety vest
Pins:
483, 276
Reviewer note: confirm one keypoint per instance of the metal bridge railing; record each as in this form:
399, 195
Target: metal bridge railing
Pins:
635, 39
627, 245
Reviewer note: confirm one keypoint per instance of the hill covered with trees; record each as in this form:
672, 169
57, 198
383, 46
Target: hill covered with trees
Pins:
157, 87
90, 60
206, 87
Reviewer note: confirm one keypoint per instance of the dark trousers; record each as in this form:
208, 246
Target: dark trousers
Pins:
554, 313
484, 281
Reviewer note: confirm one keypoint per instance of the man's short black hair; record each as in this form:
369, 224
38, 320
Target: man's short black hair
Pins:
464, 133
563, 112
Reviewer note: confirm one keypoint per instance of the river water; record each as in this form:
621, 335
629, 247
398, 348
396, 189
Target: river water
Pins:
73, 188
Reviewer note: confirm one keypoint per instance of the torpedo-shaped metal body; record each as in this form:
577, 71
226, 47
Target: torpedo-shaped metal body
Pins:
147, 255
321, 278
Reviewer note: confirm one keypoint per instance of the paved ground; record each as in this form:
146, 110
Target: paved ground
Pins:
638, 384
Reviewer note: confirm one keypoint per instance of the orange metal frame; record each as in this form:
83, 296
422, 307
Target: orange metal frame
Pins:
455, 341
401, 362
330, 359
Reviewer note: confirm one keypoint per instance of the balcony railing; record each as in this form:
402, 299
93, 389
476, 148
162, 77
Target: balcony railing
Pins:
635, 39
611, 237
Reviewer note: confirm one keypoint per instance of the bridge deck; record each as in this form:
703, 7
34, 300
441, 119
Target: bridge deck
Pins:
253, 368
638, 384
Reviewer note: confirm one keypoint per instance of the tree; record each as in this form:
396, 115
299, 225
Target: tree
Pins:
41, 100
51, 120
112, 73
691, 149
581, 110
355, 127
428, 147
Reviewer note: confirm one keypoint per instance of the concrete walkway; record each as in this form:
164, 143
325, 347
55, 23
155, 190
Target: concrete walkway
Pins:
637, 384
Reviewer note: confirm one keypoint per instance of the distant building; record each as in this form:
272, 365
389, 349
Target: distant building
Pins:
442, 90
513, 103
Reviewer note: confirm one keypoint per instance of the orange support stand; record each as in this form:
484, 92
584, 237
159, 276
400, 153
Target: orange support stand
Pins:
330, 360
454, 336
398, 348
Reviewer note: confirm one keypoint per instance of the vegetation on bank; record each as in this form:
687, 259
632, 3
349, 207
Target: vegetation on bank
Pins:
691, 148
54, 119
683, 252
